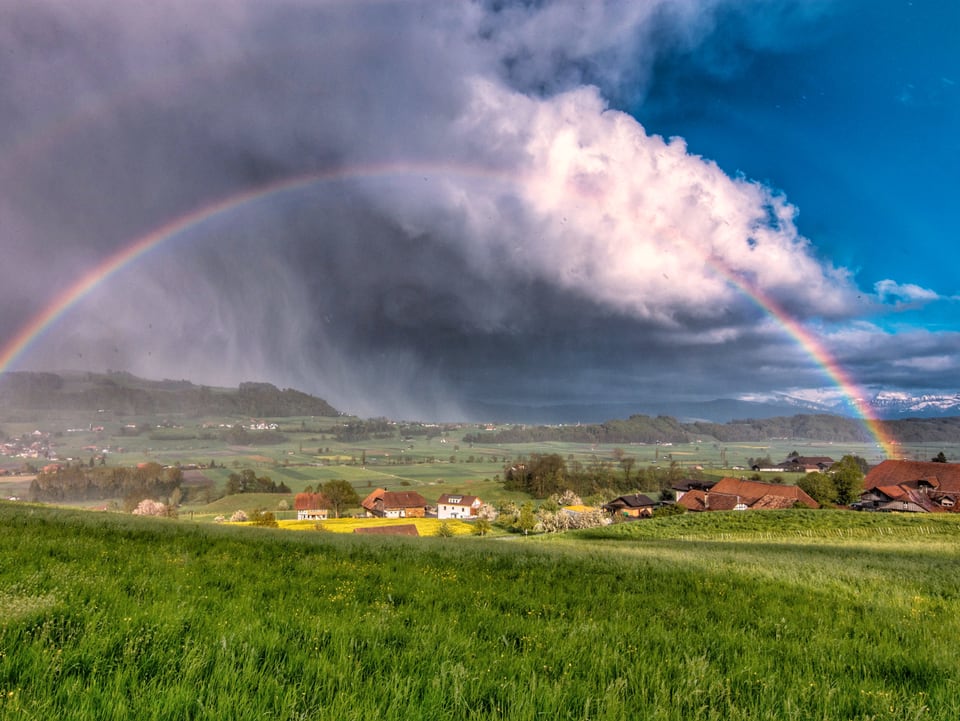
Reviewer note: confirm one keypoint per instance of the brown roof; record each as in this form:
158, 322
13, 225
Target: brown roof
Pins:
371, 500
771, 502
309, 501
457, 499
405, 529
750, 493
403, 499
634, 500
692, 500
942, 476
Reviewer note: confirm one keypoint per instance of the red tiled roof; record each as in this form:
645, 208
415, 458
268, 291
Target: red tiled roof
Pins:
895, 492
771, 502
403, 499
945, 476
692, 500
309, 501
749, 492
371, 500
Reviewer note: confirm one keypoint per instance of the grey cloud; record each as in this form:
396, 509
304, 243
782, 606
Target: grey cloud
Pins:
498, 232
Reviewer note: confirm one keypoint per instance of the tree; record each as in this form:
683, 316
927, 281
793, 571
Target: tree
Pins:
820, 487
482, 526
939, 458
340, 495
848, 479
526, 518
149, 507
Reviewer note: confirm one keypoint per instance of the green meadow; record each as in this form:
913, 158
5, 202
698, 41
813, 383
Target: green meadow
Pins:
768, 615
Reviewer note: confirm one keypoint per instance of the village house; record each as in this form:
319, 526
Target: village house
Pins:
455, 505
807, 464
382, 503
634, 505
738, 494
911, 487
690, 484
311, 507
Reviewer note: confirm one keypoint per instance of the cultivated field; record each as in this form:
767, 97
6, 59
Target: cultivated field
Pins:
770, 615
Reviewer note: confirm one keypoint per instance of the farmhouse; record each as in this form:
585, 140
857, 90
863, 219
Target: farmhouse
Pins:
690, 484
635, 505
390, 504
311, 507
807, 464
737, 494
912, 487
453, 505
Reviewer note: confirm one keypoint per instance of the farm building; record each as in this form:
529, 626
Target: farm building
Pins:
392, 504
736, 494
807, 464
635, 505
690, 484
454, 505
311, 507
912, 487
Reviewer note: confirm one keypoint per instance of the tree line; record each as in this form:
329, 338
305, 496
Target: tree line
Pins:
83, 483
664, 429
543, 475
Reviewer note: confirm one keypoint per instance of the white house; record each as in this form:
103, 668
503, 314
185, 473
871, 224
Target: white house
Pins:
452, 505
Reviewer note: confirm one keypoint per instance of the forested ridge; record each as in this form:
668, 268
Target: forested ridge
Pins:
124, 393
664, 429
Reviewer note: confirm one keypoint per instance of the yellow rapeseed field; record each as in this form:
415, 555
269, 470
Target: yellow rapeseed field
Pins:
425, 526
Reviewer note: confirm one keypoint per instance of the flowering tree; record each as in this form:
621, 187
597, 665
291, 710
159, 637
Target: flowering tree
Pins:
149, 507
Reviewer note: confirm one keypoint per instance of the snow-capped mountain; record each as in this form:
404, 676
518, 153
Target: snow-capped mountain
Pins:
897, 404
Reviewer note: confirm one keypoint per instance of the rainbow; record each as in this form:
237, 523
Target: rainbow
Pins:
42, 321
18, 345
816, 350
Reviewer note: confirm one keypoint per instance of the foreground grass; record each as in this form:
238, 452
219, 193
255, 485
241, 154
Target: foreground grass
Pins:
104, 616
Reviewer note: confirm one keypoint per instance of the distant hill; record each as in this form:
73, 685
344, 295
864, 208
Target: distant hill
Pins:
664, 429
123, 393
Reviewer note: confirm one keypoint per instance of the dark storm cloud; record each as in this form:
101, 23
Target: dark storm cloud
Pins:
483, 227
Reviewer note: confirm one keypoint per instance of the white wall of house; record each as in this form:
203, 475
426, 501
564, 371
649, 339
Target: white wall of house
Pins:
451, 510
313, 515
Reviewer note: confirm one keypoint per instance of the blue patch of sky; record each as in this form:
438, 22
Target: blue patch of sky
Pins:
854, 116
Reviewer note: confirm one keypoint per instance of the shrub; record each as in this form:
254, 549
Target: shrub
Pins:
263, 518
670, 509
482, 526
238, 517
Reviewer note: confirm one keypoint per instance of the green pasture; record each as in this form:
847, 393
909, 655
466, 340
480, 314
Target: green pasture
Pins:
767, 615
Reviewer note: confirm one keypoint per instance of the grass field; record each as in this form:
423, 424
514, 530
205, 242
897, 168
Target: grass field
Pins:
767, 615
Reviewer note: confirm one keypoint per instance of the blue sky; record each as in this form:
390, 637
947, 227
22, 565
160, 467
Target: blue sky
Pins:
584, 208
852, 115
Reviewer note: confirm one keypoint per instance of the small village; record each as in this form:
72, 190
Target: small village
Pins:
892, 486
